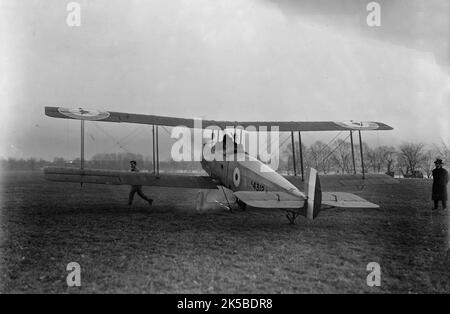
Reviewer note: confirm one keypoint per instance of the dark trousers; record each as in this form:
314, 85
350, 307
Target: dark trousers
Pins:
136, 189
436, 204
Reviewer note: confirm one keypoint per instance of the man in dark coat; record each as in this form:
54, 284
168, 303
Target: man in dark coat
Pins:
137, 188
440, 180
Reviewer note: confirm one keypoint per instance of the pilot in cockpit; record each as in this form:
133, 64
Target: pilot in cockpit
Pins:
229, 139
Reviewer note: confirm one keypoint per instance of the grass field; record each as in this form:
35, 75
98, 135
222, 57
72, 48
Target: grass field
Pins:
172, 248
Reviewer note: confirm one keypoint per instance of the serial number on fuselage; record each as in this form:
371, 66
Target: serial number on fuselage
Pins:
257, 186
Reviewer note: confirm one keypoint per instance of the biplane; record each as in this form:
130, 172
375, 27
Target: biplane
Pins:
230, 182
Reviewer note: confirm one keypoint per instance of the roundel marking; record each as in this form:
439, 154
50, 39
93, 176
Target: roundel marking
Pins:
236, 177
83, 114
359, 125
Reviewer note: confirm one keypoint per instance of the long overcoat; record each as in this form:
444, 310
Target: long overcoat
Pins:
440, 180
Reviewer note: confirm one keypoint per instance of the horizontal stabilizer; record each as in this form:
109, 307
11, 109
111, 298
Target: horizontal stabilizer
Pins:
117, 177
356, 180
280, 200
329, 181
347, 200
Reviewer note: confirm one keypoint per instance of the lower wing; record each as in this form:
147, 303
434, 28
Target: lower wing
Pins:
347, 200
280, 200
117, 177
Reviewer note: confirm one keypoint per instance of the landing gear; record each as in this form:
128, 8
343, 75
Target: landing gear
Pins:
241, 205
291, 216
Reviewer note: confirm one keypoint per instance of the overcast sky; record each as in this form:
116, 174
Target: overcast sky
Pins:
237, 60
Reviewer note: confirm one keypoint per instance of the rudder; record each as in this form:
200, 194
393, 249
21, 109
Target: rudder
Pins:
314, 194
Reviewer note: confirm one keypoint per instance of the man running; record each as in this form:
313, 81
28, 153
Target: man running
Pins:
137, 188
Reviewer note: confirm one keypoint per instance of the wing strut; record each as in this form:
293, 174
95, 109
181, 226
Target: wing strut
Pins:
155, 150
353, 152
82, 146
293, 153
301, 153
362, 155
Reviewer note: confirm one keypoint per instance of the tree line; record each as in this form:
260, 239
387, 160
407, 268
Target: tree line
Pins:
115, 161
408, 160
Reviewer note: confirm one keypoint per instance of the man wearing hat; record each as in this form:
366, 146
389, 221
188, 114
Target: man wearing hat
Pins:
440, 180
137, 188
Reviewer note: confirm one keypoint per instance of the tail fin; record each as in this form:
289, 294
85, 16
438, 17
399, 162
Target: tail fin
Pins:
314, 194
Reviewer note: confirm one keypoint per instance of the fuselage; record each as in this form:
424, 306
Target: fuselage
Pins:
238, 171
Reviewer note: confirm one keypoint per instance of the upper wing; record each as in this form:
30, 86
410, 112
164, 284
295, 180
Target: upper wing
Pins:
347, 200
117, 177
280, 200
284, 126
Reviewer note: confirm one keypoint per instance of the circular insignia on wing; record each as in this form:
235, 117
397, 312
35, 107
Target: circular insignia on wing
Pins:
236, 177
364, 125
83, 114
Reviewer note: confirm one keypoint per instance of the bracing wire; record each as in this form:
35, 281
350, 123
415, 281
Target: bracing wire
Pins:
136, 137
330, 153
165, 129
131, 133
280, 145
122, 146
328, 144
116, 142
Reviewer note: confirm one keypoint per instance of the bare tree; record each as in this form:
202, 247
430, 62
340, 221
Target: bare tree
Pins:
427, 161
290, 159
366, 149
59, 161
388, 154
442, 151
411, 155
437, 151
374, 159
341, 156
318, 153
379, 157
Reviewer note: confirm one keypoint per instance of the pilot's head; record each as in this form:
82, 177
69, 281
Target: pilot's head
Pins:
227, 140
133, 164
